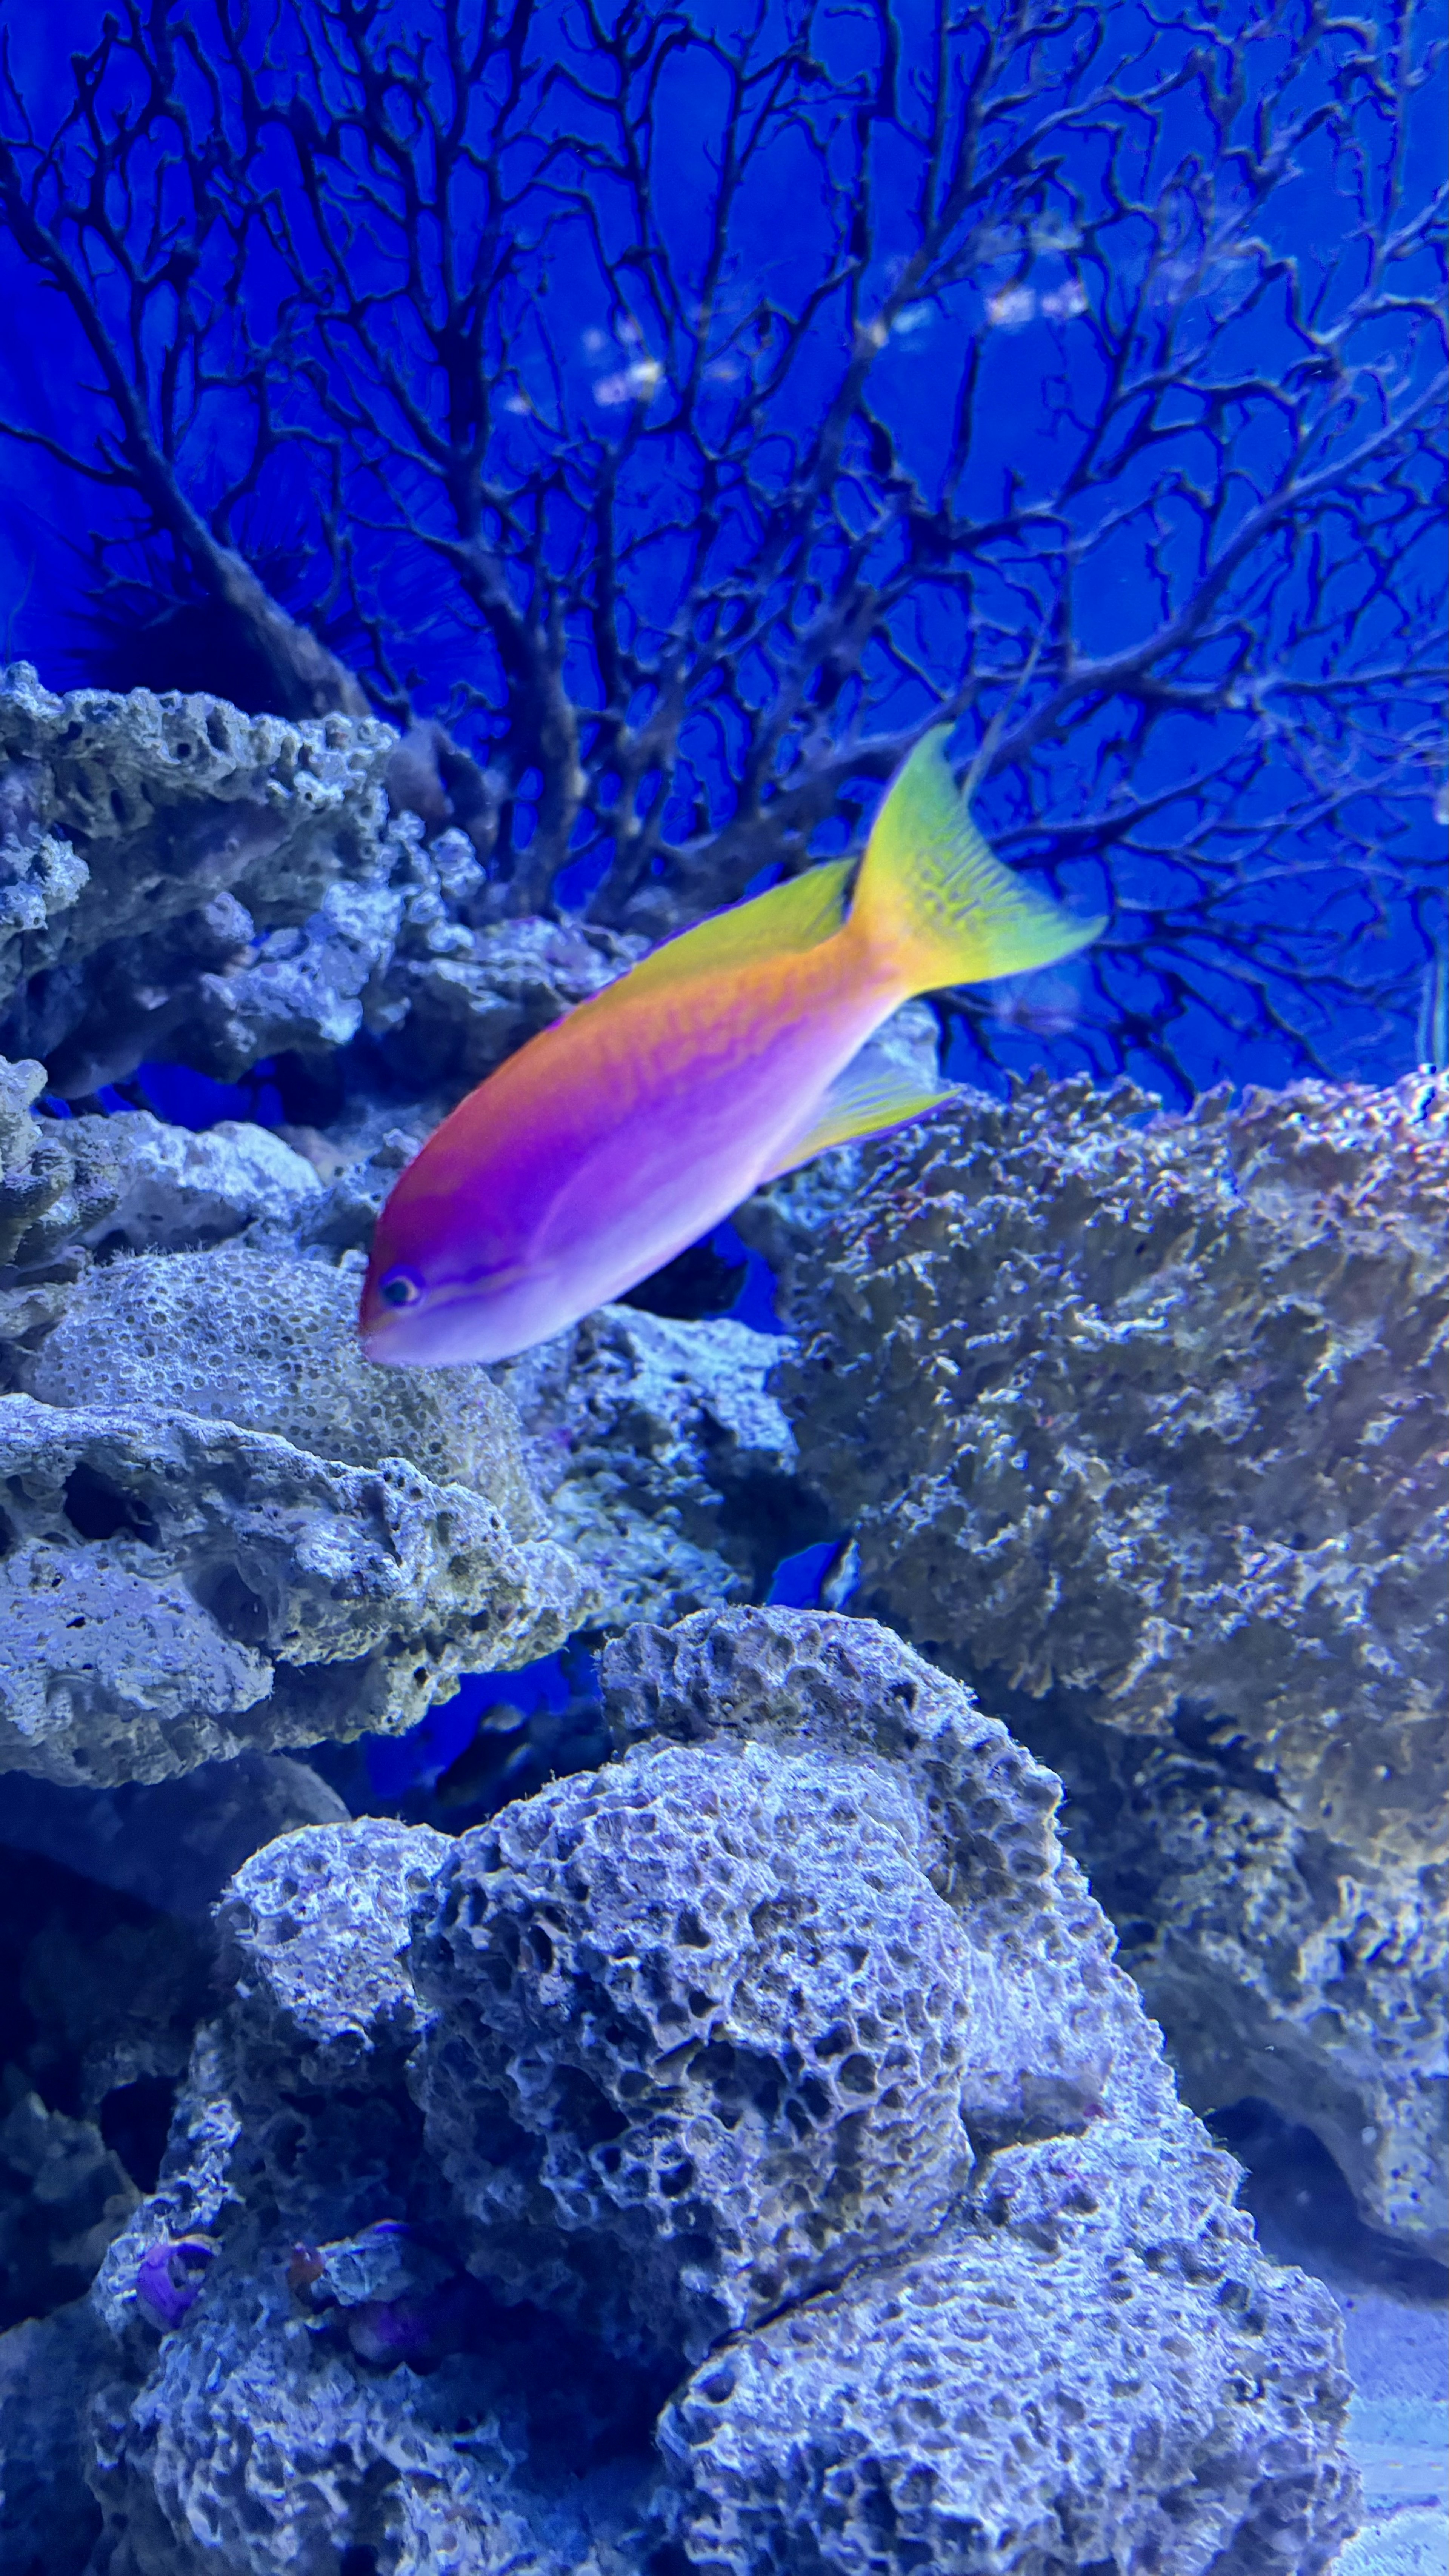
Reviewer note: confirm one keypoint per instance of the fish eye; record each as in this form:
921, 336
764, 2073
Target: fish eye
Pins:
400, 1288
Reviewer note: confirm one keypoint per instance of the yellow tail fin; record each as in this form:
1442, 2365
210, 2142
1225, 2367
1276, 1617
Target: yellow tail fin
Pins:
936, 901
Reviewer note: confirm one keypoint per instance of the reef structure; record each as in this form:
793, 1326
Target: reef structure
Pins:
1139, 1421
745, 2157
221, 1530
178, 879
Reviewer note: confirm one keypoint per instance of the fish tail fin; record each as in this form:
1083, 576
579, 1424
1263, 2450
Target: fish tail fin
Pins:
936, 903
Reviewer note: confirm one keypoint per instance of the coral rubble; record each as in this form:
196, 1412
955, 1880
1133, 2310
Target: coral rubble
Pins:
1139, 1419
743, 2158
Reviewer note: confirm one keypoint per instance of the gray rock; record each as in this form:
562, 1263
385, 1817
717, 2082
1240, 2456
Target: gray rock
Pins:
417, 2474
315, 1930
454, 1001
269, 1342
179, 1588
56, 1185
177, 1190
993, 2405
778, 2076
1138, 1421
149, 841
715, 2009
666, 1464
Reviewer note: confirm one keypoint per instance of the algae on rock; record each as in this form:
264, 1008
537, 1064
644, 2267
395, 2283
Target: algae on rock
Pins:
1139, 1420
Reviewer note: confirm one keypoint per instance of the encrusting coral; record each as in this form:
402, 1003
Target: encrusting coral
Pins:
744, 2157
1139, 1421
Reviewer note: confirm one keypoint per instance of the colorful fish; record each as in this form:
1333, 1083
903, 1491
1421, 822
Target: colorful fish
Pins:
732, 1054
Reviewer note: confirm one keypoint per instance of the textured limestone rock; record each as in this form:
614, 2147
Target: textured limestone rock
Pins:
987, 2405
823, 2194
1140, 1420
178, 1588
55, 1186
315, 1930
147, 843
177, 1191
455, 1001
666, 1464
270, 1342
179, 879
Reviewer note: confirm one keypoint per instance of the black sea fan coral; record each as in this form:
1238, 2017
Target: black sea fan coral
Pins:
453, 364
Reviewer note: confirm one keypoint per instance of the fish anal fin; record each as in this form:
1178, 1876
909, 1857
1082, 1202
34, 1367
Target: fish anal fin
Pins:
869, 1098
785, 919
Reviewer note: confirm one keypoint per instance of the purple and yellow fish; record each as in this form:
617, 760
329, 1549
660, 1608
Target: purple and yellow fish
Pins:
729, 1056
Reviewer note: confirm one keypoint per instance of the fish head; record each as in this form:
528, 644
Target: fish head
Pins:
442, 1288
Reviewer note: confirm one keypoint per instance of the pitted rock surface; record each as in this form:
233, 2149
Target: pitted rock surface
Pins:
1139, 1420
269, 1342
180, 1588
57, 1186
145, 842
824, 2195
667, 1464
314, 1935
969, 2410
717, 2014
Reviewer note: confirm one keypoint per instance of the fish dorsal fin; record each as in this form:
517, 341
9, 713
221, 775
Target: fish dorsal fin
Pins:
798, 914
870, 1097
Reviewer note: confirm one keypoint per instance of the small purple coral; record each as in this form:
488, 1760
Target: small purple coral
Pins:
169, 2278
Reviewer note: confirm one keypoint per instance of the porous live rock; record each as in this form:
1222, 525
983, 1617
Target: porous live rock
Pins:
178, 1190
270, 1342
666, 1463
455, 1000
1139, 1419
773, 2089
180, 880
148, 843
55, 1186
315, 1931
226, 1529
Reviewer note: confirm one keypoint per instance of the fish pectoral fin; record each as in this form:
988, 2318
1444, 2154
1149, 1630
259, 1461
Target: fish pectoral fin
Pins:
869, 1098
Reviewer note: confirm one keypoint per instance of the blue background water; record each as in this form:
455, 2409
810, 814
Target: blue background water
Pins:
1240, 946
